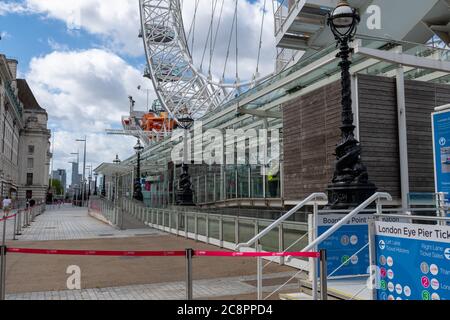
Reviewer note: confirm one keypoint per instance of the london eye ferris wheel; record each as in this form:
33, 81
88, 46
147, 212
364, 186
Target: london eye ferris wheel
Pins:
187, 43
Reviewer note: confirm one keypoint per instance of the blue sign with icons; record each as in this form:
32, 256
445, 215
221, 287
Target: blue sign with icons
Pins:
413, 261
441, 142
343, 245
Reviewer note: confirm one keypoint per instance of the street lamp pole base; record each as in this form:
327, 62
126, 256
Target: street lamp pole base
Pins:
349, 196
185, 198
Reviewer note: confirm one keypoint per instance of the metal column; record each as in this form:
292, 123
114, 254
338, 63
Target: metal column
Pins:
403, 137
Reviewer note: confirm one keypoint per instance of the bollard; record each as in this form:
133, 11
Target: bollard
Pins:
189, 285
19, 223
323, 275
4, 229
15, 227
2, 272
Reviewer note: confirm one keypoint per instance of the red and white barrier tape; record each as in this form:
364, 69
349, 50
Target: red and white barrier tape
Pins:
99, 253
256, 254
9, 217
162, 253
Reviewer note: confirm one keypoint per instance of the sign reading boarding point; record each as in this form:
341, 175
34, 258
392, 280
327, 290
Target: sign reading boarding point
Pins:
342, 245
413, 261
441, 145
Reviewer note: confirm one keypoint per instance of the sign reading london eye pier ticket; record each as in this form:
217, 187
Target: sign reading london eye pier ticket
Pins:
413, 261
343, 245
441, 145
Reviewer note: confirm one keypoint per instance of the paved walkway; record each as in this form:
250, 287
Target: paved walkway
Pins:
203, 289
121, 278
72, 223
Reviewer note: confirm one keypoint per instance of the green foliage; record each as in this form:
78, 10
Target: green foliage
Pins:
57, 187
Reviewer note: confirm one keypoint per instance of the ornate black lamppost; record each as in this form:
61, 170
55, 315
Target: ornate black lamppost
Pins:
95, 186
185, 196
103, 186
350, 186
137, 184
117, 162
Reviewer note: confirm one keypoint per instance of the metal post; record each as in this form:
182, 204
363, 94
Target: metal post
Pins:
189, 285
120, 213
312, 262
402, 134
259, 265
281, 242
373, 260
323, 275
221, 231
207, 228
178, 223
15, 227
2, 272
236, 230
196, 226
19, 223
83, 195
186, 229
4, 229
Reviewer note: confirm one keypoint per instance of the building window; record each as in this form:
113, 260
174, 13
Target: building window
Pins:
30, 163
29, 179
30, 149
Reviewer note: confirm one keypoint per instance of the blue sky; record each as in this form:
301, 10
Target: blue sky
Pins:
31, 35
83, 77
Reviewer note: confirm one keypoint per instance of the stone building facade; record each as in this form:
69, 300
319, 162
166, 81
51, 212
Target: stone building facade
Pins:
24, 138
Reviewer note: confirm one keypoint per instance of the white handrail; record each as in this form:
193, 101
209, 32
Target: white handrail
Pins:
276, 223
377, 196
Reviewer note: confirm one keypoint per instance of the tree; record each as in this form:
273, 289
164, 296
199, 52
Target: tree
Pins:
57, 187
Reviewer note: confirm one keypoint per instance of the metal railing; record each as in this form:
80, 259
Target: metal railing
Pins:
312, 198
225, 231
255, 240
232, 232
377, 197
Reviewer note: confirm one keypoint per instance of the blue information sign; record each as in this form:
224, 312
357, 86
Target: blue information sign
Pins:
413, 261
342, 245
441, 142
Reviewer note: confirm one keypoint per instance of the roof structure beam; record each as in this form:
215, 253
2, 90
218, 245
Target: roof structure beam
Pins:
402, 58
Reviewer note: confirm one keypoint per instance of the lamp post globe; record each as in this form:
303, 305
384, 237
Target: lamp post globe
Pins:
186, 122
344, 20
137, 184
117, 160
350, 184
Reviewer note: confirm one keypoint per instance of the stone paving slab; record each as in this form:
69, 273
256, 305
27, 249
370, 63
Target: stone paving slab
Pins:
72, 223
121, 278
203, 289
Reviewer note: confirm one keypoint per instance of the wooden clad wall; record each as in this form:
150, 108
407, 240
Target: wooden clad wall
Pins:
310, 134
311, 131
421, 100
378, 128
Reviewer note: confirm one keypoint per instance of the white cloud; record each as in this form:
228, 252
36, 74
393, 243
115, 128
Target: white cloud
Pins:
100, 148
117, 21
4, 35
249, 30
84, 93
56, 46
8, 7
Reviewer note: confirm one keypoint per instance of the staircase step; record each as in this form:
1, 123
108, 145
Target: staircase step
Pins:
338, 289
295, 296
